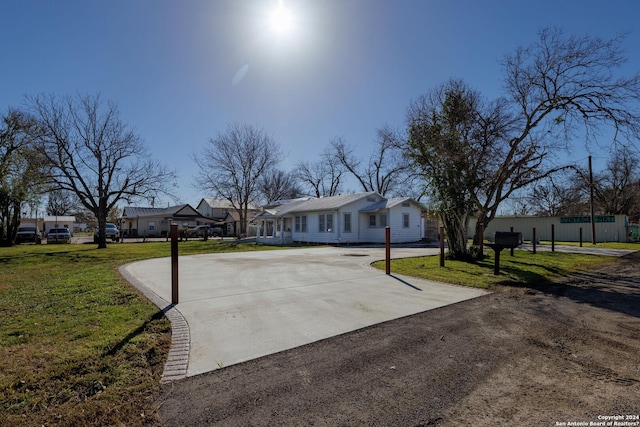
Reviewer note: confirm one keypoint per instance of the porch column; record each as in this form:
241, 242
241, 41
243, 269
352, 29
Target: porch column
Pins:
281, 230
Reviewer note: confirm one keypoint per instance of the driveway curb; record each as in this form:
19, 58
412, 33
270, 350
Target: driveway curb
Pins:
177, 362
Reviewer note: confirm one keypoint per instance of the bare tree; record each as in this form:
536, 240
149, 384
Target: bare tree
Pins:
322, 178
93, 154
278, 185
232, 164
617, 187
570, 83
387, 170
61, 203
557, 89
555, 196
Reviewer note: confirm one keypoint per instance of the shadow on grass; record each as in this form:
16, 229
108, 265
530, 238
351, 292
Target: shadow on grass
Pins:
616, 289
140, 329
525, 276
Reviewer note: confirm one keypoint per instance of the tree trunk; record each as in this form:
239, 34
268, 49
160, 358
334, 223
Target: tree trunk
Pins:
480, 227
456, 231
102, 224
242, 215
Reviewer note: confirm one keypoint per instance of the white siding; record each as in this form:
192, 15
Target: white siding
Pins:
399, 233
313, 234
371, 234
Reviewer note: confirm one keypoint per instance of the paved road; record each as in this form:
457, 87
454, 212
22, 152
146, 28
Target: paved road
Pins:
235, 307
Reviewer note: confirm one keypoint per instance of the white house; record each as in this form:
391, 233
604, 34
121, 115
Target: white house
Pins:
349, 218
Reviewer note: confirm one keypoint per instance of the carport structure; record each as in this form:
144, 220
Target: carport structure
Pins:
240, 306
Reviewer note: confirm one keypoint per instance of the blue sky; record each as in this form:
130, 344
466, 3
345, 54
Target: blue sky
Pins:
180, 71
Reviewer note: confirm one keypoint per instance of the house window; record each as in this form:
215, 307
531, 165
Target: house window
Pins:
152, 225
300, 224
325, 223
405, 220
405, 204
347, 222
378, 220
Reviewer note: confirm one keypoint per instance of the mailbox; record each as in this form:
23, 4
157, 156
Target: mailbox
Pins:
507, 239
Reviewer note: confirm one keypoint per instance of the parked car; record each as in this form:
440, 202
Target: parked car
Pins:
111, 232
59, 235
28, 234
200, 229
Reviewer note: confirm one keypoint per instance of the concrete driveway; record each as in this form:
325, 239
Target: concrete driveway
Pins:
238, 306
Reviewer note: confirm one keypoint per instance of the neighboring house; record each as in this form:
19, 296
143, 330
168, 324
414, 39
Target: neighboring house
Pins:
156, 222
350, 218
222, 211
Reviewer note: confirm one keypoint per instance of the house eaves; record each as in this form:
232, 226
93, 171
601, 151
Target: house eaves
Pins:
375, 207
224, 204
169, 213
330, 203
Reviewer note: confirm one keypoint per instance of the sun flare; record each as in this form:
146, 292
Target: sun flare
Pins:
281, 20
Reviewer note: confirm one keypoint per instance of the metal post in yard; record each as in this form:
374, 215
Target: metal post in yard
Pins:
387, 234
511, 230
533, 240
441, 246
553, 237
580, 236
174, 264
496, 261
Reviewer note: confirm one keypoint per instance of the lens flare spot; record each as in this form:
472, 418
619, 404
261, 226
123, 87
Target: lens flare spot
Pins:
240, 74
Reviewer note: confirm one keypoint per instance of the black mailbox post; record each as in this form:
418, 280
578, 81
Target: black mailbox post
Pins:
508, 239
504, 240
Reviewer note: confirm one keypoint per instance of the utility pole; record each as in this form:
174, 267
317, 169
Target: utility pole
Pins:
593, 218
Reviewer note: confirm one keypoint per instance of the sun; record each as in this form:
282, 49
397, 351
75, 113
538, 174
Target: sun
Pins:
281, 20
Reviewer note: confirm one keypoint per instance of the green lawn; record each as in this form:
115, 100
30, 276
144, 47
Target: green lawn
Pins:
523, 268
78, 344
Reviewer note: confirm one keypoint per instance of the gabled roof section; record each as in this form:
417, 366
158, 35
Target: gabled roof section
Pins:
318, 204
333, 202
283, 209
285, 202
399, 200
390, 203
223, 204
374, 207
168, 212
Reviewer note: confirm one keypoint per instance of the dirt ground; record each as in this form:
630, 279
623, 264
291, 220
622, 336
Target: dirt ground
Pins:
566, 352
